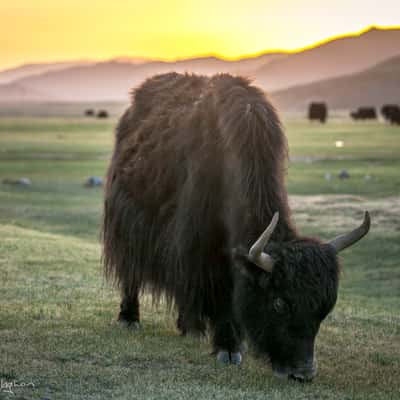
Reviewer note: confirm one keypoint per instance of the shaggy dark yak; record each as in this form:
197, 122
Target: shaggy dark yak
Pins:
318, 111
196, 176
391, 113
102, 114
364, 113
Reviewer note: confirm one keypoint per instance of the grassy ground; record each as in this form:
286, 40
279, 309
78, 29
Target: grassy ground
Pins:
57, 315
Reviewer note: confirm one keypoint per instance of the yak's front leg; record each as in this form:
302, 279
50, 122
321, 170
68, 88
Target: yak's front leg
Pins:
227, 340
129, 313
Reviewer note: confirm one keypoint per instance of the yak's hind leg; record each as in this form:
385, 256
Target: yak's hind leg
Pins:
129, 313
187, 325
189, 319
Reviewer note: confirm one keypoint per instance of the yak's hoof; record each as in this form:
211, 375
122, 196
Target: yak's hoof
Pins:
131, 325
236, 358
134, 326
227, 357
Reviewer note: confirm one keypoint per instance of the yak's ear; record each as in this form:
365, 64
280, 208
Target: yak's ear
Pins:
243, 265
240, 261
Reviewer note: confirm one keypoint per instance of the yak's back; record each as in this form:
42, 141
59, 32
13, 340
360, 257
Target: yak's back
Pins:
180, 123
199, 142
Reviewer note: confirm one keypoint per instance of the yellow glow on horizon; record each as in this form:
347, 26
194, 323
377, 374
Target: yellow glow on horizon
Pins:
49, 30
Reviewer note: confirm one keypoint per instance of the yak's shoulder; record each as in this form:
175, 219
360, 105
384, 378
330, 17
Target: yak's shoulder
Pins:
225, 84
227, 80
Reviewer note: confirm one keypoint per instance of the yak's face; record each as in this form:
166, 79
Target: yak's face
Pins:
281, 310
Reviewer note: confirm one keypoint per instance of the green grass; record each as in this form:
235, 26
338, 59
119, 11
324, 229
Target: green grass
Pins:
57, 315
362, 140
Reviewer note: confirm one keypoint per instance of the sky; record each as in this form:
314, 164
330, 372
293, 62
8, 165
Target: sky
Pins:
54, 30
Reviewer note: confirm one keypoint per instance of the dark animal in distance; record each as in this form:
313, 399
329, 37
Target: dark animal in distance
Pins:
196, 176
391, 113
93, 181
19, 181
89, 112
102, 114
344, 174
318, 111
364, 113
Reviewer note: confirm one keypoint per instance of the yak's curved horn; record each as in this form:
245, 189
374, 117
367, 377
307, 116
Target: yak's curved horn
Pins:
256, 253
348, 239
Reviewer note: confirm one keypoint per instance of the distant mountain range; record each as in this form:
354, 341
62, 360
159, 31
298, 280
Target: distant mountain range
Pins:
334, 58
294, 77
113, 80
373, 87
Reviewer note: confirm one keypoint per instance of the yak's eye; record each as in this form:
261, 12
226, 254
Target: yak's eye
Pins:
279, 305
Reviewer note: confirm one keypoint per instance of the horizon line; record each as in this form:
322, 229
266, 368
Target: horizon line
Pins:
293, 51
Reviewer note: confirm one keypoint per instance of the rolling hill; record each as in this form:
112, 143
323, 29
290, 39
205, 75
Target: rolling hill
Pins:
13, 74
15, 93
373, 87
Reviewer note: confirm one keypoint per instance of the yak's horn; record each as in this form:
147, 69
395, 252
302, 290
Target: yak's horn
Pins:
256, 253
348, 239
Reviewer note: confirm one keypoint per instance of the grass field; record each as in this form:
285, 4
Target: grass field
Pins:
57, 315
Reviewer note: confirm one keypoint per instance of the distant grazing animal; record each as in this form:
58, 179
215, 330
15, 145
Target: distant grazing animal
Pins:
344, 174
192, 197
391, 113
364, 113
93, 181
102, 114
89, 112
318, 111
19, 181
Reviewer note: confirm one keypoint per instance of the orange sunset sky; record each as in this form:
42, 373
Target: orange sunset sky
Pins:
51, 30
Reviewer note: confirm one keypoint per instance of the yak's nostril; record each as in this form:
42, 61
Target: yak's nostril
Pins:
300, 373
303, 374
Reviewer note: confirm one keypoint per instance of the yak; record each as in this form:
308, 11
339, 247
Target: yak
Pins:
364, 113
196, 212
318, 111
102, 114
89, 112
391, 113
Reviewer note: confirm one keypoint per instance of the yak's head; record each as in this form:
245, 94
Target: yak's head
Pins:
283, 291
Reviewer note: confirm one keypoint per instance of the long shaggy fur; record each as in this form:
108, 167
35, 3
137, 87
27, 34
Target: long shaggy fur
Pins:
198, 168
